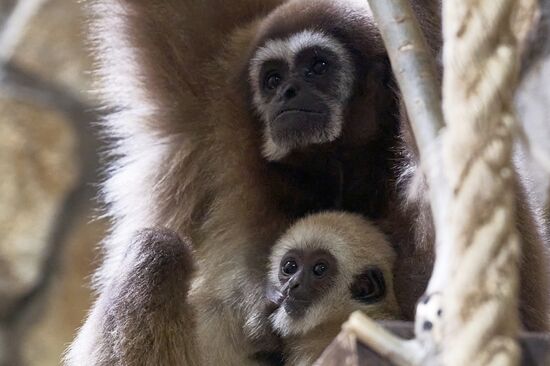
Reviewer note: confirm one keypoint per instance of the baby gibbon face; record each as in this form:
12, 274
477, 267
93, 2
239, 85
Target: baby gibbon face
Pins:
305, 275
300, 87
327, 266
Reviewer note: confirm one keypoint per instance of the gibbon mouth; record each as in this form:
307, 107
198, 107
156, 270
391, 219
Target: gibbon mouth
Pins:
299, 126
297, 110
295, 307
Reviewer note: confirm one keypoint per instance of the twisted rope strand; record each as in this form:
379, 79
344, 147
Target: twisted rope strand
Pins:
480, 316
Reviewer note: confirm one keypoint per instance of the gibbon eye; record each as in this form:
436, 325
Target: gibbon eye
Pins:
289, 267
319, 67
319, 269
272, 81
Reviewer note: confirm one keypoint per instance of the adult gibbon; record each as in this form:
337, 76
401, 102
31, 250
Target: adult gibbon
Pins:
233, 119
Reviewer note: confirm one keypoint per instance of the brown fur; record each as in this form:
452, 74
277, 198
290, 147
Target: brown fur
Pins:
139, 318
188, 157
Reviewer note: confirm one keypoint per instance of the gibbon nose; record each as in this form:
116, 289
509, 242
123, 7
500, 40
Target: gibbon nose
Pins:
294, 282
290, 92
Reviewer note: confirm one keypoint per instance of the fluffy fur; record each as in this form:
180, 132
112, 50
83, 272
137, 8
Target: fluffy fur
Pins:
187, 155
355, 243
138, 318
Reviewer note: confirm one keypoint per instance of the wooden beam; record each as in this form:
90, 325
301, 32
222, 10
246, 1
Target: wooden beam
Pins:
347, 351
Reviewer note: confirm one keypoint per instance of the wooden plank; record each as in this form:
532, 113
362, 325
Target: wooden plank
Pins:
346, 351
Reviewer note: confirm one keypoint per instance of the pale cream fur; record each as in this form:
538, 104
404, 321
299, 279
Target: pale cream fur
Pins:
355, 243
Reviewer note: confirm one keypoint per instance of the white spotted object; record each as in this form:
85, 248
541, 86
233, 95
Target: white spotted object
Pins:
428, 323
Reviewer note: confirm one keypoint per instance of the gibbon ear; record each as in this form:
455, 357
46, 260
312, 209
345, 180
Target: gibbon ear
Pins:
369, 286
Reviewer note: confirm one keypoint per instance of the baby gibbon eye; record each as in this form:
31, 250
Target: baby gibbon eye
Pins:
272, 81
319, 66
369, 286
289, 267
319, 269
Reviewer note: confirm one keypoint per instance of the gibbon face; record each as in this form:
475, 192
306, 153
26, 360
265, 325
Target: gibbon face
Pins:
301, 85
326, 266
305, 275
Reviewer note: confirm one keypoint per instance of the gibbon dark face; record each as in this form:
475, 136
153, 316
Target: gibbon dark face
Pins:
301, 86
306, 275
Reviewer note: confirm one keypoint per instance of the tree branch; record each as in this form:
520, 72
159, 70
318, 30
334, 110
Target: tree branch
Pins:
415, 69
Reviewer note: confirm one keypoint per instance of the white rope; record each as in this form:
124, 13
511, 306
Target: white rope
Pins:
481, 59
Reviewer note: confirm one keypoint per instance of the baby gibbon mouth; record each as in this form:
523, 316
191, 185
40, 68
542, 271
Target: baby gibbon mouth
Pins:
296, 307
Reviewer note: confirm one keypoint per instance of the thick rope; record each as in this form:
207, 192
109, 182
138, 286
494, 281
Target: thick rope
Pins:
525, 19
479, 322
480, 315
